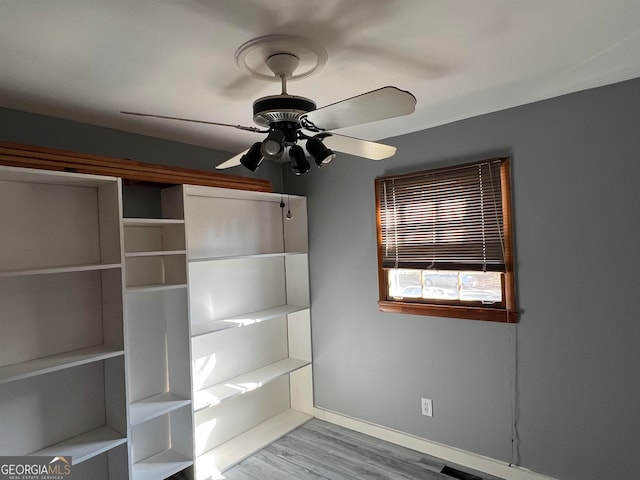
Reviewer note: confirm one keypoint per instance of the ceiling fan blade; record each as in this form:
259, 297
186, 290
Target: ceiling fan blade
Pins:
380, 104
240, 88
357, 146
239, 127
422, 65
232, 162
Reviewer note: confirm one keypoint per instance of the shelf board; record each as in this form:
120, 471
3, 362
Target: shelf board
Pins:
245, 319
237, 449
84, 446
160, 465
158, 253
51, 177
151, 222
155, 406
211, 396
61, 269
155, 287
240, 257
53, 363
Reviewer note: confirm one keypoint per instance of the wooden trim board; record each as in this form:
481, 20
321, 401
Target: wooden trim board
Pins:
444, 452
27, 156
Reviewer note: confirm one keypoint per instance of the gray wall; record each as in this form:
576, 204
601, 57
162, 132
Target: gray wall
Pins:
575, 355
21, 127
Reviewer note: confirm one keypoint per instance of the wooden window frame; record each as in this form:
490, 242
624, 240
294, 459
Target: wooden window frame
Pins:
505, 312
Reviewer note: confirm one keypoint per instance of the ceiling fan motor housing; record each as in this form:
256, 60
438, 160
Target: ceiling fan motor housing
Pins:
280, 108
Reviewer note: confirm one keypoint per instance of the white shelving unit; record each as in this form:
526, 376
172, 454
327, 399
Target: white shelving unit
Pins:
142, 347
62, 365
250, 322
160, 418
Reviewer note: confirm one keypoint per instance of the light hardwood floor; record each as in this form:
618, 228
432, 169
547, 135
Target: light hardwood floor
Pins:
321, 451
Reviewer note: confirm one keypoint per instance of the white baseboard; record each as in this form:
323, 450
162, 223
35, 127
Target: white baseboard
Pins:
444, 452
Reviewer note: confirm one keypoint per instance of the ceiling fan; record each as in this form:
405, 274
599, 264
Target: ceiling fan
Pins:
289, 119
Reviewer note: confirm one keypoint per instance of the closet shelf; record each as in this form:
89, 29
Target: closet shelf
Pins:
239, 257
237, 449
245, 319
52, 177
60, 269
153, 407
84, 446
151, 222
155, 287
212, 396
160, 465
53, 363
155, 253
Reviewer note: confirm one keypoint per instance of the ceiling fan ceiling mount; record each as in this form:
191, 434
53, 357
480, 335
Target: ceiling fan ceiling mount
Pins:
283, 64
271, 55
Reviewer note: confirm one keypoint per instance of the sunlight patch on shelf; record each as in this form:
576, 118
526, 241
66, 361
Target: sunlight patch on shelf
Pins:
205, 399
241, 322
244, 387
208, 464
203, 367
204, 431
209, 305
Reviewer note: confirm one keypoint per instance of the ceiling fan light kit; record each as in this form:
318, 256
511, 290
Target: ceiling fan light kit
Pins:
286, 118
320, 153
273, 146
299, 162
253, 158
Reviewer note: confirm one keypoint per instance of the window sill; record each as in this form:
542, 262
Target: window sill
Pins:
450, 311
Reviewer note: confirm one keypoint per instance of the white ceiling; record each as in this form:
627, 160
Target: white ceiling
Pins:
86, 60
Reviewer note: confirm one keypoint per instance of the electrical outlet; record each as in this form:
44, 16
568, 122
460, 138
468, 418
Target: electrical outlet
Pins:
427, 407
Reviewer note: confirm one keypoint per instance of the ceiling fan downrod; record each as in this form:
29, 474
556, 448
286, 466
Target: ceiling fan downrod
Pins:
276, 109
283, 65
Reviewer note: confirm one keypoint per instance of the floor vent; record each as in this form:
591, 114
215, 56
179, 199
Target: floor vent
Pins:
453, 473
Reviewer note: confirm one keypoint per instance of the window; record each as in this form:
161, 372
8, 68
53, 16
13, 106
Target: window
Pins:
444, 242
